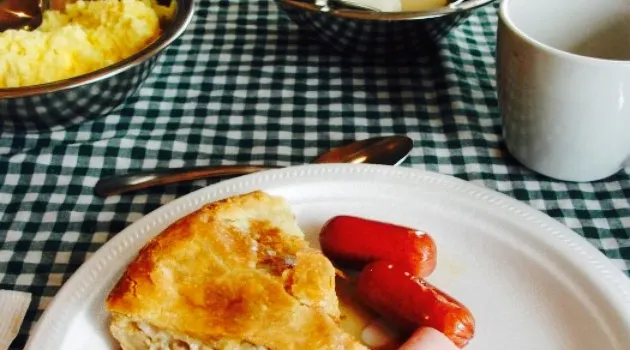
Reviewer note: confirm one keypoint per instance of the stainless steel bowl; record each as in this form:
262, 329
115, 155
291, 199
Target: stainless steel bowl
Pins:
91, 95
365, 32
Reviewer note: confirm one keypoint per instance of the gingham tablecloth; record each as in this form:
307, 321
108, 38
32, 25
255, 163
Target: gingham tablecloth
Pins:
242, 86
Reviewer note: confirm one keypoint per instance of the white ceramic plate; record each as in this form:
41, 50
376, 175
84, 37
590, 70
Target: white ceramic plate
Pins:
530, 282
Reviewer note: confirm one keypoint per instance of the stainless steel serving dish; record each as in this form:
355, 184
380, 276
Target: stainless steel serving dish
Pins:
364, 32
91, 95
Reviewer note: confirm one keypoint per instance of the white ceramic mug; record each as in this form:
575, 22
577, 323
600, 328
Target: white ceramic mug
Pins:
564, 85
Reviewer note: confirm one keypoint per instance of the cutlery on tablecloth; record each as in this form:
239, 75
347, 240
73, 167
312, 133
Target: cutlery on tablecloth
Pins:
387, 150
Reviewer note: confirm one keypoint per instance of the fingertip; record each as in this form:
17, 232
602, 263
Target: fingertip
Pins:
427, 338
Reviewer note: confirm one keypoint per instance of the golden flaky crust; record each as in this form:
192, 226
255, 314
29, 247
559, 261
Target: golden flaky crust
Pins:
235, 269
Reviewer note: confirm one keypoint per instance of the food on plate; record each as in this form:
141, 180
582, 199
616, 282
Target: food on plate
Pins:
427, 338
87, 36
392, 260
238, 274
235, 274
351, 241
411, 303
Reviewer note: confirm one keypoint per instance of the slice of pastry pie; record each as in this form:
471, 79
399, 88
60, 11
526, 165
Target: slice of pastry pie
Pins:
236, 274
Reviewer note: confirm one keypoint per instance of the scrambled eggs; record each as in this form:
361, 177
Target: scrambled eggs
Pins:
87, 36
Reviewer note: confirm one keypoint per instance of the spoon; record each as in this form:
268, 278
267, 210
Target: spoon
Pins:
386, 150
25, 14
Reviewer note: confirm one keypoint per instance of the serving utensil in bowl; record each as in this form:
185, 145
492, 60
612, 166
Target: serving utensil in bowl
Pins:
26, 14
354, 30
90, 95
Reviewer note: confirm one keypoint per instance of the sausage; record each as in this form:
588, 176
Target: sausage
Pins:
411, 302
353, 242
427, 338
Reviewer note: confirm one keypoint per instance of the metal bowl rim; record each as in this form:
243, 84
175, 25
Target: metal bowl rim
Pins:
467, 6
177, 26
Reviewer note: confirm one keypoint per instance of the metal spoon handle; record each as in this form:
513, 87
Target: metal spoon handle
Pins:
118, 184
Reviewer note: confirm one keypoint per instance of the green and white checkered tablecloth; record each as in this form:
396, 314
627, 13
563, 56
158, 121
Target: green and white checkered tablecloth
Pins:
242, 86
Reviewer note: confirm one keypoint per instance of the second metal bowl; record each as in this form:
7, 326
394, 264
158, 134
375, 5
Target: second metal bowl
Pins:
364, 32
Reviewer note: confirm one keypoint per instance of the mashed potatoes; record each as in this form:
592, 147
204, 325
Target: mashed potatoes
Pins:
88, 36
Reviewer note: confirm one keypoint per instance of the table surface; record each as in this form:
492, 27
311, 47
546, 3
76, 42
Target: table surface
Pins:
244, 86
